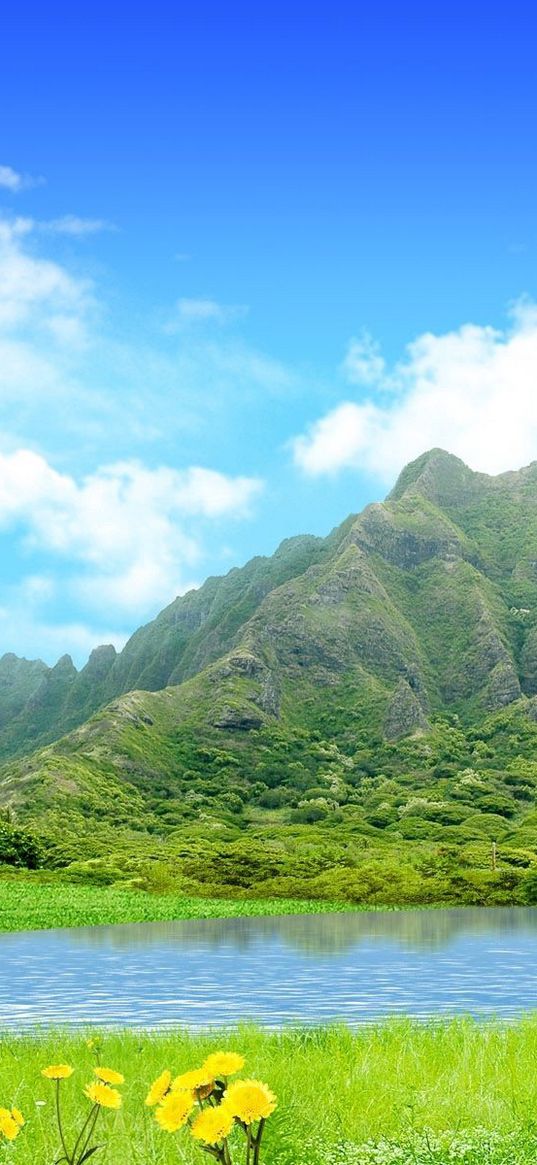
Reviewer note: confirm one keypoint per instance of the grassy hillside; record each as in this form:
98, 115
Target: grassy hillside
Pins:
133, 799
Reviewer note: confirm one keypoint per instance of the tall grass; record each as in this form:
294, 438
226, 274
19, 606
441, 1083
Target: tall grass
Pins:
336, 1090
28, 905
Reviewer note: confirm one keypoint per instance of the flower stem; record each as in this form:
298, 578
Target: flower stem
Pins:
93, 1114
257, 1142
59, 1119
214, 1151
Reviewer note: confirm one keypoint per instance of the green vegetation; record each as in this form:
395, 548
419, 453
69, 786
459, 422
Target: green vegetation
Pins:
353, 719
394, 1093
18, 847
445, 817
30, 905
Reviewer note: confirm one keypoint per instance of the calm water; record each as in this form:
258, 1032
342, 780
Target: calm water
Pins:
352, 967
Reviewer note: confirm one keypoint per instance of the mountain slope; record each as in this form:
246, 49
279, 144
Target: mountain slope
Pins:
436, 588
191, 632
377, 686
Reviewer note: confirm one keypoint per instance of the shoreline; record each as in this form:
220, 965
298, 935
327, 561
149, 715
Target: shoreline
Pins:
57, 905
64, 905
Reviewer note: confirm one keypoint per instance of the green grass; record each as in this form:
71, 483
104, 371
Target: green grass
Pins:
472, 1087
29, 905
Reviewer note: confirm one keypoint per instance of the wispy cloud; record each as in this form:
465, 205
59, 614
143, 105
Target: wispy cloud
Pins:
364, 363
59, 351
33, 287
472, 391
72, 224
11, 180
46, 317
190, 312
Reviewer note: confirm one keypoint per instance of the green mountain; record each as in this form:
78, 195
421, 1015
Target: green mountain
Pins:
38, 703
319, 709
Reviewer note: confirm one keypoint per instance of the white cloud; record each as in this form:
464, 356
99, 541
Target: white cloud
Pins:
11, 180
32, 287
336, 440
47, 316
363, 363
72, 224
472, 391
204, 311
111, 547
132, 534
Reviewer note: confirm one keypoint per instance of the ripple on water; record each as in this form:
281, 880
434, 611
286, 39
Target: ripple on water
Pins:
312, 969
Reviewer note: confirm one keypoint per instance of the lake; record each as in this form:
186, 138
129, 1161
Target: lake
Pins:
295, 969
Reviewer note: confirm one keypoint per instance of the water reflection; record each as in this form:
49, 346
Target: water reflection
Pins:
320, 933
303, 969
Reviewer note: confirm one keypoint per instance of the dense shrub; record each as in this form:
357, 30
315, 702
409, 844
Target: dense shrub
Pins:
18, 847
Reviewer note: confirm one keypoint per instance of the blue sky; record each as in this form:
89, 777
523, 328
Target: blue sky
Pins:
253, 258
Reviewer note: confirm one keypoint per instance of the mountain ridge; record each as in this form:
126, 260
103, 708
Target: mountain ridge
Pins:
362, 702
428, 515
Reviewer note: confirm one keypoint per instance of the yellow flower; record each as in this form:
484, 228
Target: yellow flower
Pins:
174, 1110
103, 1095
250, 1100
109, 1076
9, 1127
159, 1088
57, 1071
17, 1117
197, 1080
213, 1125
223, 1064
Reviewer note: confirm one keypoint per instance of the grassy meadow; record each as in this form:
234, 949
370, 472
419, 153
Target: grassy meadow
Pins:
396, 1092
30, 905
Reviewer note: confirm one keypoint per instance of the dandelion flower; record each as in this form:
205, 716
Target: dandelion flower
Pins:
174, 1110
103, 1095
57, 1071
250, 1100
213, 1125
109, 1076
8, 1125
195, 1080
159, 1088
223, 1064
17, 1117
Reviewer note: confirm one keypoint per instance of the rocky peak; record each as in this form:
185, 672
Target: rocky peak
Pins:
13, 666
100, 661
64, 667
439, 476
